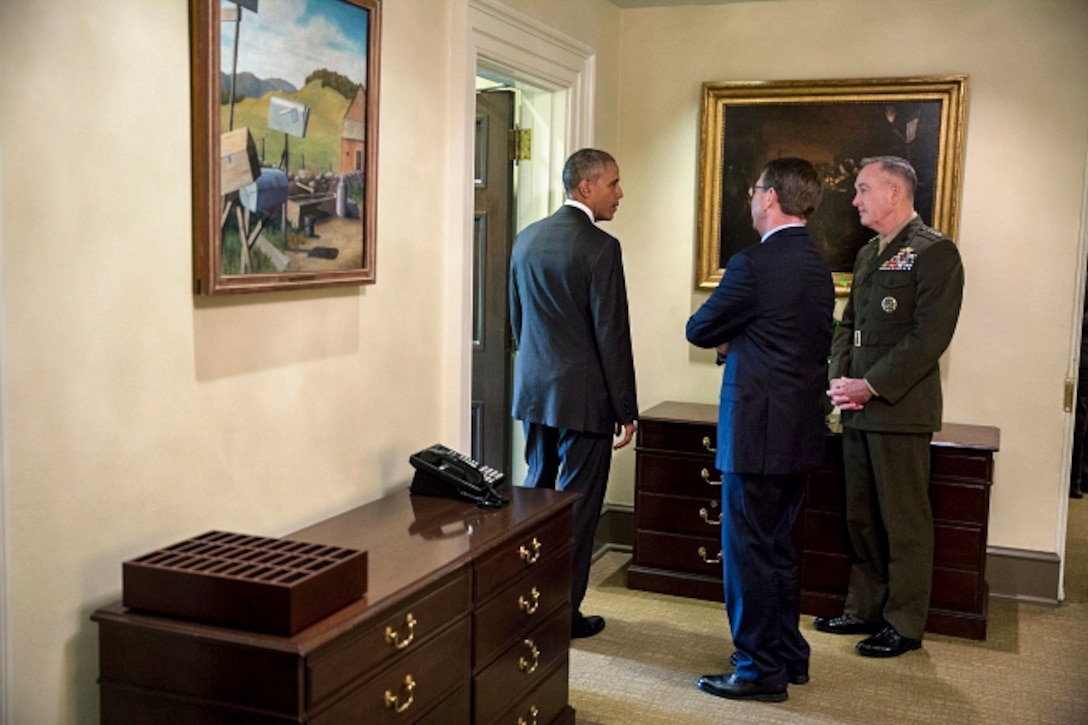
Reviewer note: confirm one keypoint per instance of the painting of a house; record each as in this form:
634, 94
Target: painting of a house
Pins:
353, 134
296, 95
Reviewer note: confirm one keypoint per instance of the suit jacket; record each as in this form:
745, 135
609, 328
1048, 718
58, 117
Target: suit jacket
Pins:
774, 307
899, 320
568, 310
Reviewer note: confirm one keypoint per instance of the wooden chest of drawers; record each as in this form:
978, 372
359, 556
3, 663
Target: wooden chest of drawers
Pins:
467, 620
678, 529
677, 504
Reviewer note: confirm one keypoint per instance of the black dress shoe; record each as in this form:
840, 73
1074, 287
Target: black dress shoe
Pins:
796, 677
887, 643
845, 624
586, 626
730, 687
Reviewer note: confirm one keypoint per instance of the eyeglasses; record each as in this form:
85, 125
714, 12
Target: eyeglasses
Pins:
752, 189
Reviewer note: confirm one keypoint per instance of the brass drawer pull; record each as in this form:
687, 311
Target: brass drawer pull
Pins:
392, 702
705, 515
530, 607
706, 477
526, 556
393, 638
533, 712
523, 664
706, 444
702, 555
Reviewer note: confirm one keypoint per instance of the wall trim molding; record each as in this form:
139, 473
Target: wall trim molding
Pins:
529, 51
1023, 574
1020, 574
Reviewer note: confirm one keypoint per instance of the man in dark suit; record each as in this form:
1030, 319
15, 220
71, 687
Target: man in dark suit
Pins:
574, 381
902, 311
770, 317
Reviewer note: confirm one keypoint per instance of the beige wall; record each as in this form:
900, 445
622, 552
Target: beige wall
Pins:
133, 416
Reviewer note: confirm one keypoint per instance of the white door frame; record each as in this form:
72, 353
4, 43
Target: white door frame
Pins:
517, 47
1075, 325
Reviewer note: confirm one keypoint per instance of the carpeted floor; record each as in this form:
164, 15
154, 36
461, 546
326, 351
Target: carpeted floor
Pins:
642, 669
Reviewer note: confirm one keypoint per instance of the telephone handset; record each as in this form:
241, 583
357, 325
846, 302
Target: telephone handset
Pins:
442, 471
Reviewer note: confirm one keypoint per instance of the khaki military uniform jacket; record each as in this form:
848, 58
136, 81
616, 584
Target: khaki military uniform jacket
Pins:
899, 320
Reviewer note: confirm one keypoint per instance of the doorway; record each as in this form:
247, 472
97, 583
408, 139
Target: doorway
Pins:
551, 79
504, 203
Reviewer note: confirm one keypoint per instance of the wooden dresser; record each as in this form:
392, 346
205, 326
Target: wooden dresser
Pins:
466, 620
678, 518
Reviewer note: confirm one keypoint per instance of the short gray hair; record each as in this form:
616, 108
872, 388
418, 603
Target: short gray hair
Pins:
898, 167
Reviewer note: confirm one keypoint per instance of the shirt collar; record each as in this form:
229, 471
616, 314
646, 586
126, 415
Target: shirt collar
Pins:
583, 207
887, 239
778, 229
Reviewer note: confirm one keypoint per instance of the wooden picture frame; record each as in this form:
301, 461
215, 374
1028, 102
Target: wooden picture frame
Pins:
833, 124
285, 139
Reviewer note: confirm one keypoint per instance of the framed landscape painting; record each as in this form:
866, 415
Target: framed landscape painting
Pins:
834, 124
284, 131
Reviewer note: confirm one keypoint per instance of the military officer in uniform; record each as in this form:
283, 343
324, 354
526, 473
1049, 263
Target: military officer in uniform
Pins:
902, 311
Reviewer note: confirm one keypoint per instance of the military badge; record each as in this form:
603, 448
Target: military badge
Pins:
889, 304
902, 261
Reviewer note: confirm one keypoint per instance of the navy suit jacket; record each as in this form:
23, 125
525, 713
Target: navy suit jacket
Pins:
568, 310
774, 307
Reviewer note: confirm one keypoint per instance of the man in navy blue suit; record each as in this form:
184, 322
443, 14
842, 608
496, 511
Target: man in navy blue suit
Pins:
574, 381
770, 320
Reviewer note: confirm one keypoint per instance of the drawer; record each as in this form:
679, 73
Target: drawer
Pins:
398, 634
825, 571
825, 532
680, 437
678, 514
959, 546
513, 612
202, 669
960, 502
678, 475
125, 705
544, 704
957, 589
695, 554
521, 669
519, 555
826, 490
961, 463
457, 708
413, 685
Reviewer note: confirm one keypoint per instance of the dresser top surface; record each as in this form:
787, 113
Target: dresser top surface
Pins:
961, 435
413, 542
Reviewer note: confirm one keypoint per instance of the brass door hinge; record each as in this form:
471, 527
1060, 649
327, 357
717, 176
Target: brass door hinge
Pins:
520, 144
1070, 389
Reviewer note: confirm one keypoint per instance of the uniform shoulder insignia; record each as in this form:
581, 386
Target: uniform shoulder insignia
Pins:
926, 237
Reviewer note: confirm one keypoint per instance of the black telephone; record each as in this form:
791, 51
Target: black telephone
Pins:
442, 471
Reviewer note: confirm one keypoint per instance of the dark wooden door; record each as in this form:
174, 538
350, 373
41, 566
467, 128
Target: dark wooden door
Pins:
492, 239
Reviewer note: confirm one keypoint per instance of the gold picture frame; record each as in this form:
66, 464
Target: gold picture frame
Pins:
833, 124
284, 143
